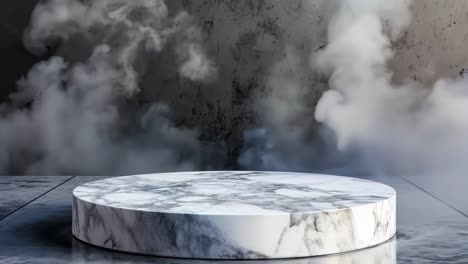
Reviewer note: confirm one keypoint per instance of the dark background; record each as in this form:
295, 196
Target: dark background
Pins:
15, 60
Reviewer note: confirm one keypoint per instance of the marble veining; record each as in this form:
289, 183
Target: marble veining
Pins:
234, 215
233, 192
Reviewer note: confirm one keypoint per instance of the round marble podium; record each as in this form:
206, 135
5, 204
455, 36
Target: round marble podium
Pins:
234, 215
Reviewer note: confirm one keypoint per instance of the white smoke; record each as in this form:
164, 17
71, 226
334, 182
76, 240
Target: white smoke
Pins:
78, 116
195, 66
404, 128
368, 121
126, 26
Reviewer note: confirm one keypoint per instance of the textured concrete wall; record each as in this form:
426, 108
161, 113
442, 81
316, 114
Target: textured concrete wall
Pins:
245, 37
436, 43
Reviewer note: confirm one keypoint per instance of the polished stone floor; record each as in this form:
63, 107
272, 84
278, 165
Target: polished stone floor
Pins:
35, 227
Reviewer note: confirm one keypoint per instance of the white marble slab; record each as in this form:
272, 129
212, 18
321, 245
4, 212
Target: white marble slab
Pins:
234, 215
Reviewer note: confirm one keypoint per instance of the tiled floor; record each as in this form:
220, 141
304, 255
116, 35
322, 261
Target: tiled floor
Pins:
17, 191
450, 188
36, 228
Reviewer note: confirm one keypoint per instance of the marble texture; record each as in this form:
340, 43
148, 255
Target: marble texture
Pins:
234, 215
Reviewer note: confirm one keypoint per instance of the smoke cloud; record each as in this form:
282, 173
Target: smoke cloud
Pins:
79, 114
404, 129
368, 122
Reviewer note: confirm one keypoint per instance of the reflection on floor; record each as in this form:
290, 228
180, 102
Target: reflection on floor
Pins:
35, 227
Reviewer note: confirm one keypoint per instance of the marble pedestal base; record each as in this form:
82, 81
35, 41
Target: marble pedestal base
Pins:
234, 215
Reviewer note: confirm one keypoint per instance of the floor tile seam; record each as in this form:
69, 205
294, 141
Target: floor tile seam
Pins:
434, 196
36, 198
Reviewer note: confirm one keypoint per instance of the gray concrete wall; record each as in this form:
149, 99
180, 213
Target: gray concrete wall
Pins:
436, 43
